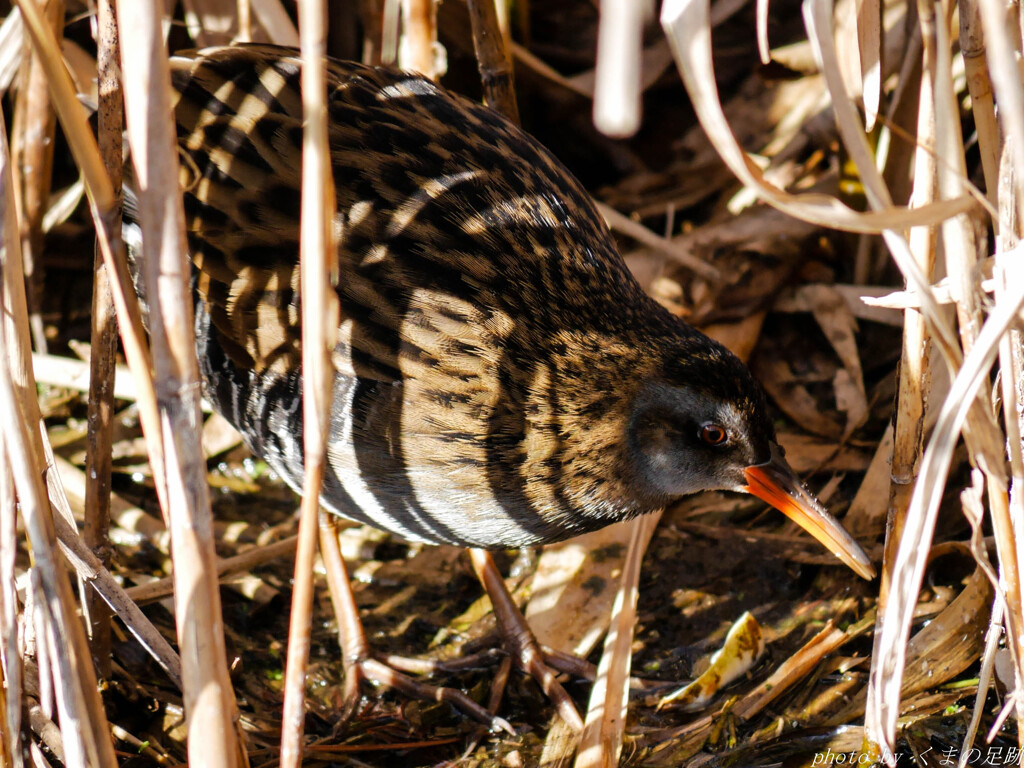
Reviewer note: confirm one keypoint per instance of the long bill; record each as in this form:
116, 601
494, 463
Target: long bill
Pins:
776, 483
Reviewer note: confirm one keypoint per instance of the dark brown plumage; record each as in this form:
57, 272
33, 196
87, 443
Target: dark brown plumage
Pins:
502, 380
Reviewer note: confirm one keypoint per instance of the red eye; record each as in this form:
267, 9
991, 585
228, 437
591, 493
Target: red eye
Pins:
712, 434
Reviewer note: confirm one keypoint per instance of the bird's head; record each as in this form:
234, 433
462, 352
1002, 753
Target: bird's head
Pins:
702, 424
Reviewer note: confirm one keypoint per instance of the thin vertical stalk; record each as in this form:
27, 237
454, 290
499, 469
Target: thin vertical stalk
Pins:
244, 22
987, 442
492, 59
418, 48
34, 124
103, 339
972, 46
617, 83
318, 268
10, 657
102, 207
915, 364
213, 735
79, 698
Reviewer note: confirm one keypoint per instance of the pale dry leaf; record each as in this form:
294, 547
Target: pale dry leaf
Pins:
687, 28
744, 645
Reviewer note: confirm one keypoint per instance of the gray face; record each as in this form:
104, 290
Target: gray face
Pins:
685, 440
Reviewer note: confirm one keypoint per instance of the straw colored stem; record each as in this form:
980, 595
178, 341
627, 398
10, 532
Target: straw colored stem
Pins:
493, 59
984, 439
211, 712
914, 371
419, 37
103, 340
79, 698
998, 21
244, 22
319, 327
617, 76
869, 41
10, 658
972, 46
34, 123
103, 210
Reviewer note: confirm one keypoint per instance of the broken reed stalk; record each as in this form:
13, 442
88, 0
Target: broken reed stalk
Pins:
493, 59
103, 338
32, 150
617, 75
417, 50
318, 276
244, 15
214, 737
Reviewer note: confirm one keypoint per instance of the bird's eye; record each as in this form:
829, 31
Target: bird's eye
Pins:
712, 434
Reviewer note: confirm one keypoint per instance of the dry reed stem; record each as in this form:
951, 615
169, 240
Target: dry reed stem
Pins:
78, 698
320, 317
417, 50
915, 360
974, 512
605, 723
1001, 56
793, 670
617, 70
962, 260
764, 50
685, 23
493, 60
886, 672
869, 45
102, 204
32, 149
103, 338
96, 576
211, 22
10, 654
211, 712
390, 26
11, 52
889, 661
243, 13
979, 85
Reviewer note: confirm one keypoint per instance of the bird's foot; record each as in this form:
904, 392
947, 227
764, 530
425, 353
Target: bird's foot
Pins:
374, 671
520, 642
361, 666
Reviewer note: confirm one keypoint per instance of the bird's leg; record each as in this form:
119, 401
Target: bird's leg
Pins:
355, 650
519, 639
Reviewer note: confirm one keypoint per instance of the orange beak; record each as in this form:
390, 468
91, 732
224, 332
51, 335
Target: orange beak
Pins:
776, 483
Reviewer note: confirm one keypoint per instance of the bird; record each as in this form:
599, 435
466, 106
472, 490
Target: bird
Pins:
500, 378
